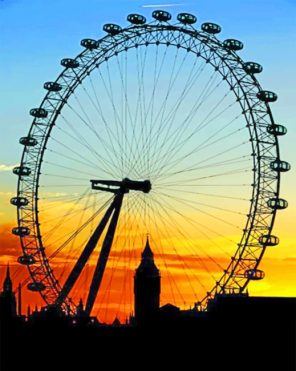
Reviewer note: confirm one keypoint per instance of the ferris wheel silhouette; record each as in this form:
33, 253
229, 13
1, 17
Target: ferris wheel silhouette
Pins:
161, 128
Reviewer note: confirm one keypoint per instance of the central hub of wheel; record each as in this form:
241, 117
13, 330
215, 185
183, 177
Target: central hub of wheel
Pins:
123, 186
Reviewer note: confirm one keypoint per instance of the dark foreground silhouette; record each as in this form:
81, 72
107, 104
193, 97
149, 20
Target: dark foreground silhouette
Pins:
238, 332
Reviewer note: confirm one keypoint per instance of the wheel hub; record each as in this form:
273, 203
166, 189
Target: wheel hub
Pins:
123, 186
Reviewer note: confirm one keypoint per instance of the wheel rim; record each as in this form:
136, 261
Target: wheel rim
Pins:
136, 40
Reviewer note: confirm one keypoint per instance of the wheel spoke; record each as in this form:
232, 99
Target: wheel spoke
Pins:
170, 122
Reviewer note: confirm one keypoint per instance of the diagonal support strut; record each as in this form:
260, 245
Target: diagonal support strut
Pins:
87, 251
119, 188
104, 255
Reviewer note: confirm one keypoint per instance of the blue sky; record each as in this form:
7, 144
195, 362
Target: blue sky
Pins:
35, 35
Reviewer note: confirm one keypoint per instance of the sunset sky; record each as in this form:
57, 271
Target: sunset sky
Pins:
36, 35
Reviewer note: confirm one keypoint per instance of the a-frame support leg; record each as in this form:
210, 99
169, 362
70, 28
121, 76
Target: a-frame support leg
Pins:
103, 257
87, 251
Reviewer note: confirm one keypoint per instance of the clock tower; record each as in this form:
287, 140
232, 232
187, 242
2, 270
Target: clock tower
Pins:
146, 287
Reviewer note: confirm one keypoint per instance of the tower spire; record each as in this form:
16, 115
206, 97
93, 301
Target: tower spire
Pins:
7, 285
7, 297
147, 252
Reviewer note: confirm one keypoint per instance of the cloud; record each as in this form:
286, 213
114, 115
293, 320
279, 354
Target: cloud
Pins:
4, 167
161, 5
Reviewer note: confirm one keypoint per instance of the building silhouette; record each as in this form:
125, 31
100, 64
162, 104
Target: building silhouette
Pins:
146, 287
7, 298
256, 332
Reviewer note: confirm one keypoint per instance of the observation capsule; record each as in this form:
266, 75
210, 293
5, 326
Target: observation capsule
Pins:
277, 203
38, 112
19, 201
20, 231
52, 86
211, 28
89, 44
112, 29
232, 44
267, 96
69, 63
36, 286
276, 129
269, 240
186, 18
280, 166
252, 68
28, 141
161, 15
21, 170
137, 19
254, 274
26, 259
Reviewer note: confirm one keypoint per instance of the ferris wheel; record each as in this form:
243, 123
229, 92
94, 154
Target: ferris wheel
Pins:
157, 128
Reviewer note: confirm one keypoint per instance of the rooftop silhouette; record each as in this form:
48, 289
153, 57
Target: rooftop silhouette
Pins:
233, 321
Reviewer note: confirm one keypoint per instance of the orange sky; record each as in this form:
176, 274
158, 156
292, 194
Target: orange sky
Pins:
116, 296
260, 31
